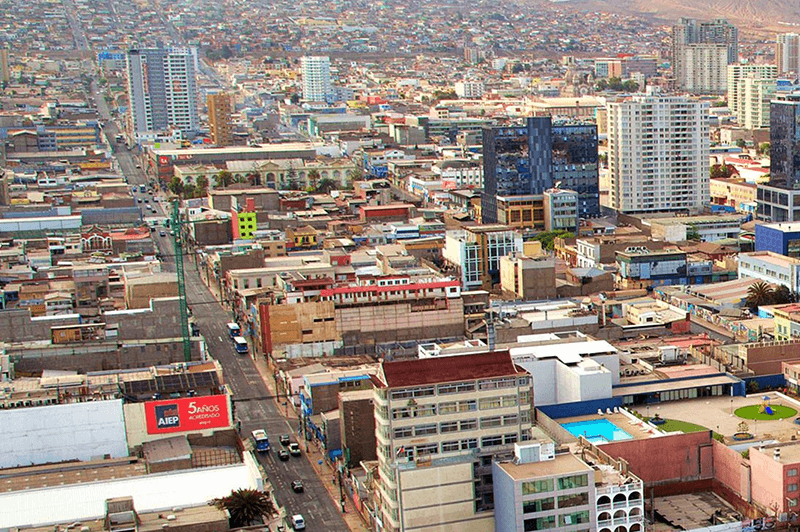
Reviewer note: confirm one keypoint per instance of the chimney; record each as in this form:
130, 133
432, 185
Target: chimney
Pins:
250, 205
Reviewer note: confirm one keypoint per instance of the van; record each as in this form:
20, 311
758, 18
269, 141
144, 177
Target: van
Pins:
298, 523
233, 329
240, 344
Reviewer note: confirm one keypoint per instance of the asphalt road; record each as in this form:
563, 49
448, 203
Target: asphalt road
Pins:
255, 408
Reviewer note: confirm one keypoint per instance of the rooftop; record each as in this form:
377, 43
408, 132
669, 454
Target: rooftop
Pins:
562, 464
448, 369
773, 258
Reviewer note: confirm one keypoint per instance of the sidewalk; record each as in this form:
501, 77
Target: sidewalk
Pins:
323, 470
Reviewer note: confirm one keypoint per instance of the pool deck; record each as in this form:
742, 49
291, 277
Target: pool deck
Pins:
716, 413
623, 422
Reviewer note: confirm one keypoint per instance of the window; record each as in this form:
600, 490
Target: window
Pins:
491, 441
487, 403
574, 481
467, 406
541, 523
401, 413
428, 448
494, 384
574, 518
510, 400
450, 446
511, 419
792, 487
410, 393
424, 410
791, 472
422, 430
510, 438
488, 422
469, 443
456, 387
448, 407
539, 505
468, 424
792, 502
448, 426
576, 499
403, 432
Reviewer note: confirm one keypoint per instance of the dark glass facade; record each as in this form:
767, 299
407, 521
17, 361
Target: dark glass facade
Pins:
531, 159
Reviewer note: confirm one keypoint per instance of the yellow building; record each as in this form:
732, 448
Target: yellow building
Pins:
787, 322
526, 212
733, 192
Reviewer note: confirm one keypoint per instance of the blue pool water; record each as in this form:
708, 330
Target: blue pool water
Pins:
597, 431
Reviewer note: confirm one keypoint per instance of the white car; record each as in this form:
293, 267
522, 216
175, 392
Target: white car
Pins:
298, 523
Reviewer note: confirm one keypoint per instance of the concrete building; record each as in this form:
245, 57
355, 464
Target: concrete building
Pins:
357, 420
316, 73
771, 268
561, 210
641, 268
528, 278
787, 53
705, 228
446, 418
527, 160
753, 96
737, 72
608, 68
779, 199
542, 489
521, 211
476, 251
658, 152
781, 239
469, 89
162, 90
220, 110
734, 192
701, 52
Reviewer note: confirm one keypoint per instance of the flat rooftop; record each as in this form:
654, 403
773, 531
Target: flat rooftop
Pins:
771, 258
563, 464
56, 475
666, 386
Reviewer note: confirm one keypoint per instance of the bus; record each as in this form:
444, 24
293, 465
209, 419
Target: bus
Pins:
261, 440
240, 344
233, 329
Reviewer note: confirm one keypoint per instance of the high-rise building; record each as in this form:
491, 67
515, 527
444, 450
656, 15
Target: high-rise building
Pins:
658, 149
5, 67
700, 53
219, 118
753, 101
787, 53
776, 200
316, 78
162, 90
736, 73
446, 418
529, 159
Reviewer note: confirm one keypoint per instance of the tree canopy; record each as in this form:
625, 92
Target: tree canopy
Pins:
245, 507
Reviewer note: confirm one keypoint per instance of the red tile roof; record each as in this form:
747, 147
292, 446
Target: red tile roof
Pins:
448, 369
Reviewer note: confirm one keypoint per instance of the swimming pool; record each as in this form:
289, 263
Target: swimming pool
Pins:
597, 431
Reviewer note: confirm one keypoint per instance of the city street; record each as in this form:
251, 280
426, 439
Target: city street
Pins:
255, 408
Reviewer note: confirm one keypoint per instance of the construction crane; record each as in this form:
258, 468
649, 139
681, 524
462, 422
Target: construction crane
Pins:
176, 224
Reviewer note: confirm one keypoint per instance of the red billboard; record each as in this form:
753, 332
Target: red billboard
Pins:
187, 414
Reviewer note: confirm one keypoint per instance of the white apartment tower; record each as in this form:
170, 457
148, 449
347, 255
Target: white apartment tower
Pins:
316, 78
162, 89
701, 52
658, 150
787, 53
736, 73
753, 101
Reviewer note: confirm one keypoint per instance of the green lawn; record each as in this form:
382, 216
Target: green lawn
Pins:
673, 425
752, 412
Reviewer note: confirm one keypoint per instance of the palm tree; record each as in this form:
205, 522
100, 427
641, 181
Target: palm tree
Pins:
325, 185
759, 293
313, 178
202, 185
223, 179
240, 179
245, 506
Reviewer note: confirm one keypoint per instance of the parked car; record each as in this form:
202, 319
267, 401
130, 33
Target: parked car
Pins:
284, 439
297, 486
283, 455
294, 449
298, 523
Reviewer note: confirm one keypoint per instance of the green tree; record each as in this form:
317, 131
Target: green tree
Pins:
782, 296
741, 143
202, 185
759, 293
189, 191
245, 507
223, 179
356, 174
548, 238
176, 186
722, 170
325, 185
764, 148
240, 179
313, 177
692, 233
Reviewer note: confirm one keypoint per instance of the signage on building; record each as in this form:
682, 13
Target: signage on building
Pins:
187, 414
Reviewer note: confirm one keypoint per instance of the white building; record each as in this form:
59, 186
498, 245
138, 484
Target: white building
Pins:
787, 53
561, 210
771, 268
316, 71
658, 153
469, 89
162, 88
754, 96
704, 68
477, 251
737, 73
459, 173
